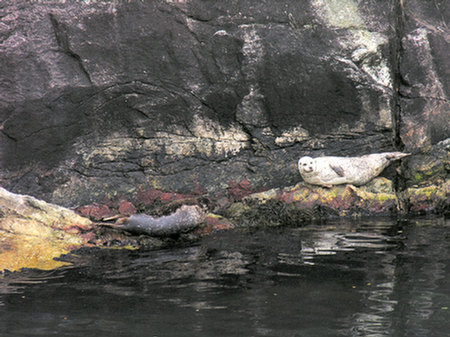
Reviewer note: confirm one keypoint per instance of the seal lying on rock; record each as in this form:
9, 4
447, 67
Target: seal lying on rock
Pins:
328, 171
185, 219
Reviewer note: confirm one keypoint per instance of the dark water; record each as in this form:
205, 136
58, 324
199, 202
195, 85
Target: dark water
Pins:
361, 278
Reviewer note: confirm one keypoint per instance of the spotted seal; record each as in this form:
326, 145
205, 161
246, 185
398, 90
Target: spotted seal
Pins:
328, 171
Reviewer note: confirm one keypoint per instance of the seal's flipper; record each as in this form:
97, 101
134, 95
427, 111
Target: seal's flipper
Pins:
339, 170
396, 155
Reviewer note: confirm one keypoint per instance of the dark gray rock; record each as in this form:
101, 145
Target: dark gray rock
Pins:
108, 98
425, 75
423, 109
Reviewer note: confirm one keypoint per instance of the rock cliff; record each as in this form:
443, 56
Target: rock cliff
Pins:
104, 99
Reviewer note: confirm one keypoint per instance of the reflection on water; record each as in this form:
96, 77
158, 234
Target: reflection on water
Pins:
384, 240
348, 278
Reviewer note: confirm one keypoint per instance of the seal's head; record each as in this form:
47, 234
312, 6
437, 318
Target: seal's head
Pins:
306, 165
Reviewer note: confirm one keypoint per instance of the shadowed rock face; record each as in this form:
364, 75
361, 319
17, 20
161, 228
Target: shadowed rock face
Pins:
114, 98
423, 91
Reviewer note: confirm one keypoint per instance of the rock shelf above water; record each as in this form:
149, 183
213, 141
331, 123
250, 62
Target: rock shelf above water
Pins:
35, 234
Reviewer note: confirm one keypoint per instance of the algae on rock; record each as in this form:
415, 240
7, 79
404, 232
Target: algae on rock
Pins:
33, 233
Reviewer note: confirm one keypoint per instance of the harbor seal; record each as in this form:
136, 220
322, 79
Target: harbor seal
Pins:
328, 171
185, 219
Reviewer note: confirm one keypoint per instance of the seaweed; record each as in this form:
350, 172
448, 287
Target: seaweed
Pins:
276, 213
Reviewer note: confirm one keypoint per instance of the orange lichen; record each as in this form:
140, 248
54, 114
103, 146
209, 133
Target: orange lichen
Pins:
214, 223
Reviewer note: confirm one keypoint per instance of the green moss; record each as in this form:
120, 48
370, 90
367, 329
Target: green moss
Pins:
236, 210
426, 192
426, 170
427, 175
418, 177
383, 197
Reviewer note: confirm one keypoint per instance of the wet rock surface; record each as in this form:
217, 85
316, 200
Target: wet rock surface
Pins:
33, 233
36, 234
119, 104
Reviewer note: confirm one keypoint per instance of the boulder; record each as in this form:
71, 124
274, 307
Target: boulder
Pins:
33, 233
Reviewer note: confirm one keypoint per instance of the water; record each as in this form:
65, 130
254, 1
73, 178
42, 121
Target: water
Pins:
347, 278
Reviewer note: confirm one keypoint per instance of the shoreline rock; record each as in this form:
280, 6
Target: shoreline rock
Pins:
34, 233
378, 197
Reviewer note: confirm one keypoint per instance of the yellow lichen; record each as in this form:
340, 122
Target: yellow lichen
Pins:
33, 233
24, 251
305, 195
266, 195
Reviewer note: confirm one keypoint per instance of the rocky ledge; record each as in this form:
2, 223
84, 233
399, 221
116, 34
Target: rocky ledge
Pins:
114, 108
35, 234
